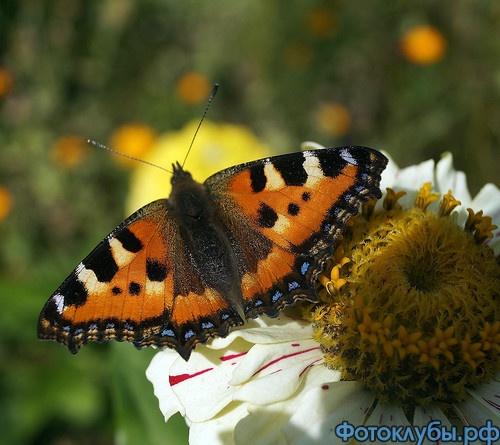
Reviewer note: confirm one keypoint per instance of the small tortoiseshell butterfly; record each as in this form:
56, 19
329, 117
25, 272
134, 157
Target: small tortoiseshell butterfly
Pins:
248, 241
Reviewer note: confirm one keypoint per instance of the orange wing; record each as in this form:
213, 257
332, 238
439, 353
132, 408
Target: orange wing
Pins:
137, 285
294, 206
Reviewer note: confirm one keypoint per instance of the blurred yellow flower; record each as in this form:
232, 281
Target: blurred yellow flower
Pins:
133, 140
321, 22
69, 151
216, 147
6, 82
423, 45
5, 202
334, 118
193, 87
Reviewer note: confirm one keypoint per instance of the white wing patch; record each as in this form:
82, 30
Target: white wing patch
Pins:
313, 170
274, 178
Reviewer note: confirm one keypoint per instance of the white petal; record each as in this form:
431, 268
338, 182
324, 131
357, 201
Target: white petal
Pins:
413, 177
410, 179
266, 359
200, 388
263, 424
387, 414
390, 174
310, 145
272, 373
202, 383
488, 200
488, 397
323, 408
220, 429
158, 374
264, 330
423, 416
447, 178
475, 411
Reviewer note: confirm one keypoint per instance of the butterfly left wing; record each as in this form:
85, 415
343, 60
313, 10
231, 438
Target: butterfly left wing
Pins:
138, 285
289, 210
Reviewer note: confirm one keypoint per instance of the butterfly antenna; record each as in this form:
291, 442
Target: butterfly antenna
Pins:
207, 106
116, 152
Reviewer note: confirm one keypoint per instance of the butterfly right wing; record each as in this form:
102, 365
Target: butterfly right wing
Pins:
291, 209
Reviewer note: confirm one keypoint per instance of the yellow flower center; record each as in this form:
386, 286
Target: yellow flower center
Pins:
411, 302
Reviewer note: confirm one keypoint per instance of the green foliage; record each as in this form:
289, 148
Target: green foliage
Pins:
87, 67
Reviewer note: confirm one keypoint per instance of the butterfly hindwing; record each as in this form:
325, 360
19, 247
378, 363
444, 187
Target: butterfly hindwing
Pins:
250, 240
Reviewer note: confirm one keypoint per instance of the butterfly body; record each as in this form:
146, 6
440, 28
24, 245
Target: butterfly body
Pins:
248, 241
200, 230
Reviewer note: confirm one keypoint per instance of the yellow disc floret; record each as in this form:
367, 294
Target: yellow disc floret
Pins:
411, 302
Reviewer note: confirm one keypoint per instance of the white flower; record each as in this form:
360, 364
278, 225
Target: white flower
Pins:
261, 365
267, 383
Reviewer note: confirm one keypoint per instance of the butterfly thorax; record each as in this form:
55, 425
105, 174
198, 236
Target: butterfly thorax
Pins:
189, 199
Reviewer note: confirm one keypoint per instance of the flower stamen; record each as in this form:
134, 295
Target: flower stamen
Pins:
391, 199
425, 196
448, 204
334, 282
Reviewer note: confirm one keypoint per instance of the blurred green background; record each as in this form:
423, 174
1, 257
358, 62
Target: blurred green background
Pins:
413, 78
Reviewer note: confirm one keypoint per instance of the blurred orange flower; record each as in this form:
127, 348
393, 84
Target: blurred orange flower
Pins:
132, 139
5, 202
69, 151
193, 87
334, 118
6, 82
321, 22
423, 45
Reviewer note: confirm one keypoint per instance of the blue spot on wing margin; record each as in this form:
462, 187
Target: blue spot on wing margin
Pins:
305, 267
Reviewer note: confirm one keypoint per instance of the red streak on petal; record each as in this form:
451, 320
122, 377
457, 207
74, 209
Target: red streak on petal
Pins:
283, 357
309, 365
231, 356
492, 403
295, 344
174, 379
325, 386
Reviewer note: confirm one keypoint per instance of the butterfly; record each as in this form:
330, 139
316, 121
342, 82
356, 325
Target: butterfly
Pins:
250, 240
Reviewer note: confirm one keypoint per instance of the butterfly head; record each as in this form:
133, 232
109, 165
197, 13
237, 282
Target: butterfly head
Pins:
188, 198
179, 174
